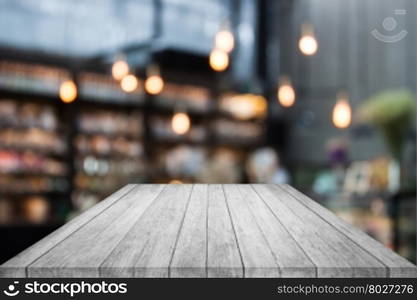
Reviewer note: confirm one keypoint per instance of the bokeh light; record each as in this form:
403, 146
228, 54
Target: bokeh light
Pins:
181, 123
342, 112
120, 69
68, 91
219, 60
224, 41
154, 84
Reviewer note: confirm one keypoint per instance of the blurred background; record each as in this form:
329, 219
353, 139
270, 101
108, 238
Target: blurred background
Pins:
95, 94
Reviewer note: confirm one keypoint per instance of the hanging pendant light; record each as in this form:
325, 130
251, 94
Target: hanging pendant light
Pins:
224, 43
180, 123
286, 92
120, 68
68, 91
342, 112
129, 83
308, 43
224, 40
154, 83
219, 60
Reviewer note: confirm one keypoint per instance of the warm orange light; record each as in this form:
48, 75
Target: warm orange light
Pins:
219, 60
154, 84
129, 83
68, 91
308, 44
244, 106
181, 123
119, 69
175, 181
342, 112
224, 41
286, 93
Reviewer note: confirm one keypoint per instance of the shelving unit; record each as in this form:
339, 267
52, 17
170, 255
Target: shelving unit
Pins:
183, 158
109, 157
33, 168
157, 154
163, 142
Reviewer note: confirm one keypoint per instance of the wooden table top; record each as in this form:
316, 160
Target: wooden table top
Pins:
200, 230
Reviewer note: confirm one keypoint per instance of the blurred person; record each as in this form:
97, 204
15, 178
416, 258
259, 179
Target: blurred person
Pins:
223, 167
263, 166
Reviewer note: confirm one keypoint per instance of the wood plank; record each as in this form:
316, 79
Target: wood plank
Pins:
81, 254
291, 259
398, 266
189, 259
223, 256
257, 257
16, 267
147, 249
361, 262
208, 231
332, 252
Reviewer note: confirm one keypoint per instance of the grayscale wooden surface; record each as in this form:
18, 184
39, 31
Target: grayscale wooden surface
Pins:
207, 230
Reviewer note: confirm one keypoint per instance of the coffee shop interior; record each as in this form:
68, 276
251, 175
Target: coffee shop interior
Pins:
314, 93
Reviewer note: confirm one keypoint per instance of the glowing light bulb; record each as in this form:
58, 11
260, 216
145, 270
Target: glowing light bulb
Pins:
181, 123
308, 44
129, 83
120, 69
154, 84
219, 60
224, 41
286, 93
342, 112
68, 91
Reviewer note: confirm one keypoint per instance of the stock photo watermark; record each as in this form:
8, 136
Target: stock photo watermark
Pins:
12, 290
63, 288
390, 25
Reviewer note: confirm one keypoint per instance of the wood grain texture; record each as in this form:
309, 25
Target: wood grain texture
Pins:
290, 257
257, 257
397, 265
156, 256
223, 255
98, 238
205, 230
332, 252
189, 259
16, 267
147, 248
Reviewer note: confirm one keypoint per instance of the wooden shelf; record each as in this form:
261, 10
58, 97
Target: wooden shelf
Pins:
145, 104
